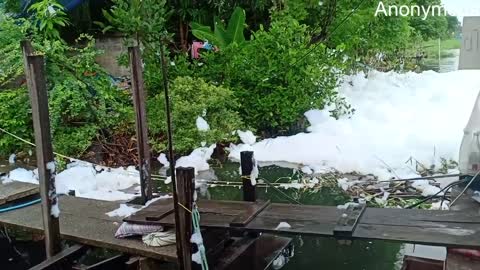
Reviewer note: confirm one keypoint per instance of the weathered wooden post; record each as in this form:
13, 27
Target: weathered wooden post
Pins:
247, 163
141, 123
185, 189
34, 71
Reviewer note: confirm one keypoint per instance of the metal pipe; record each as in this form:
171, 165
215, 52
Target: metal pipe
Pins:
171, 156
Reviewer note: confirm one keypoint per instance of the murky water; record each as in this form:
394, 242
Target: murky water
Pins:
310, 252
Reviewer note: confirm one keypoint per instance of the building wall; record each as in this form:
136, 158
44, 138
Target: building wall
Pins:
112, 47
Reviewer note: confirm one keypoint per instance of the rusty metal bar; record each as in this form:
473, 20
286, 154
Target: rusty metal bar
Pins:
171, 155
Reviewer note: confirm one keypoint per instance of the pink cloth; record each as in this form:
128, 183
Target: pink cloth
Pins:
196, 46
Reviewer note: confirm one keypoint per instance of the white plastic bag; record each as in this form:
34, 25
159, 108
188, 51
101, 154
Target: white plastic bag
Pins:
469, 159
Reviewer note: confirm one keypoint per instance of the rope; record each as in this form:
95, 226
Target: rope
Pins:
79, 160
200, 256
184, 207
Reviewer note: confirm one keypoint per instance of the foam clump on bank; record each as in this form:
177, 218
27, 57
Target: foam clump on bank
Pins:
105, 185
398, 117
20, 175
247, 137
198, 159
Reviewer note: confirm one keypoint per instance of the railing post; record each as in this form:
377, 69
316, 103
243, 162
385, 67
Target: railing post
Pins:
141, 123
185, 189
247, 163
34, 71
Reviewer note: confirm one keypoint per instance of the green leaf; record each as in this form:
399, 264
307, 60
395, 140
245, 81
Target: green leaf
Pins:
220, 33
205, 33
236, 25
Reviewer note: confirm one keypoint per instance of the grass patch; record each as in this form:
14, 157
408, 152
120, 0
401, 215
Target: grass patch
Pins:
431, 47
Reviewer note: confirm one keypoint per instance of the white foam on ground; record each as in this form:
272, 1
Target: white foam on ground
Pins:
123, 211
85, 181
20, 175
283, 225
398, 117
106, 185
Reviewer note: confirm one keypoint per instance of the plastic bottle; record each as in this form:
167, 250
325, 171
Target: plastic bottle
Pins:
469, 158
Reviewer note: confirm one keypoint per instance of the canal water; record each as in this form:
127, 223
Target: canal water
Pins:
310, 252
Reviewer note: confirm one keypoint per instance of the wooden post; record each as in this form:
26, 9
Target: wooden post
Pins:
185, 189
34, 71
141, 123
246, 163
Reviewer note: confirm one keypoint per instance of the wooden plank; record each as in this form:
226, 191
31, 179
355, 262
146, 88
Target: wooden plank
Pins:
231, 254
12, 191
253, 253
444, 228
115, 262
247, 163
415, 263
158, 217
303, 219
185, 190
217, 214
35, 73
141, 123
252, 211
84, 221
349, 220
215, 241
141, 263
416, 216
459, 262
465, 236
62, 259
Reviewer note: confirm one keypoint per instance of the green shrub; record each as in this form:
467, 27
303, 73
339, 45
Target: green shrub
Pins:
276, 75
192, 98
15, 118
82, 99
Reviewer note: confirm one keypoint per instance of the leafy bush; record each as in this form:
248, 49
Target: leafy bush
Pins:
11, 33
222, 36
192, 98
277, 76
48, 15
82, 99
15, 118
